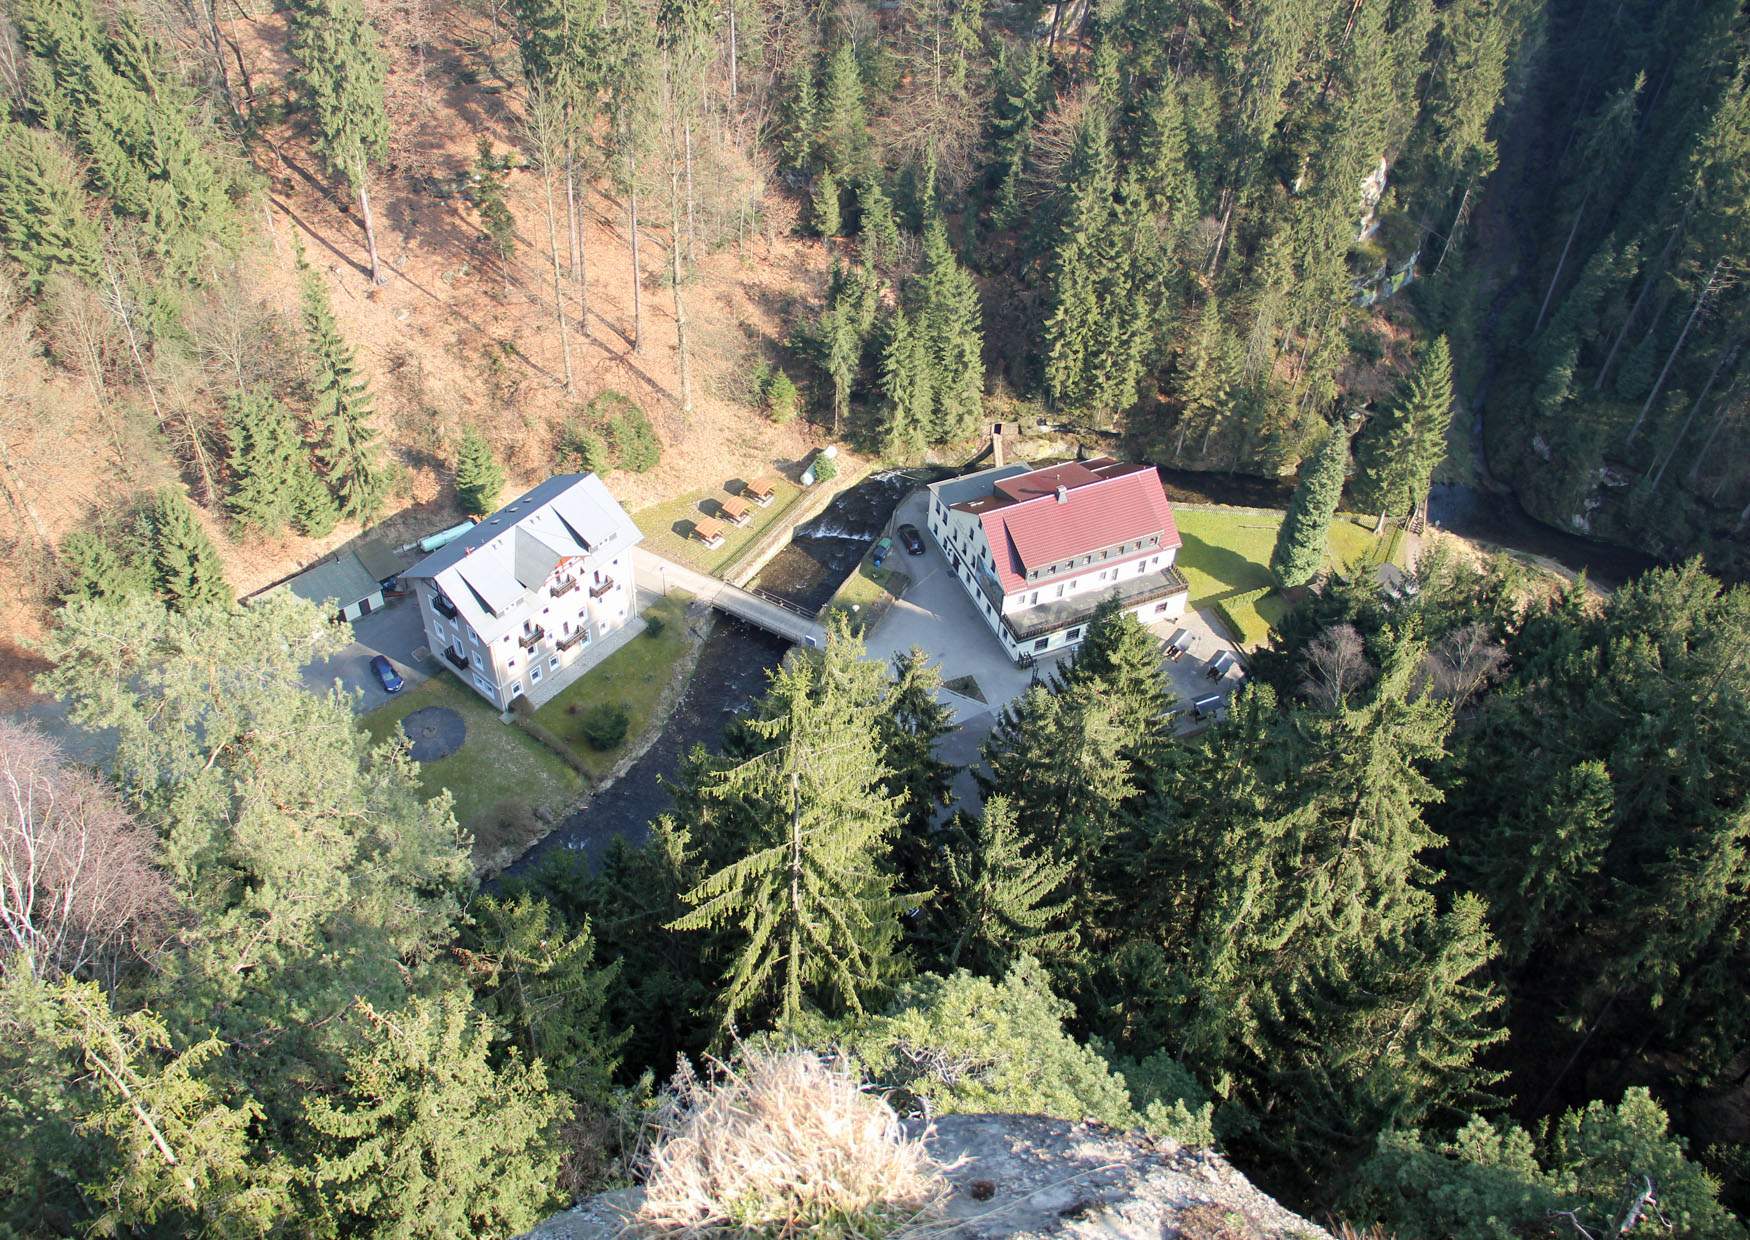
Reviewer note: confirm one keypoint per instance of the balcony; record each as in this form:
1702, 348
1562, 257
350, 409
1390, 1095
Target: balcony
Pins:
562, 588
576, 637
456, 657
443, 606
1062, 613
531, 639
597, 592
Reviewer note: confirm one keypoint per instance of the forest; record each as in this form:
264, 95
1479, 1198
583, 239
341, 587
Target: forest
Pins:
1443, 930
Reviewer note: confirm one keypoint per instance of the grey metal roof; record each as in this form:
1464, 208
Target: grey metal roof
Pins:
491, 573
340, 577
381, 560
972, 486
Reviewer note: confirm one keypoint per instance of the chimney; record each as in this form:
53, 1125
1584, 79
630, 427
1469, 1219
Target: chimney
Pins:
1062, 494
998, 456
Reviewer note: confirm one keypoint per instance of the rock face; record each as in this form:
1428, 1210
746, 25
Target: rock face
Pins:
1027, 1176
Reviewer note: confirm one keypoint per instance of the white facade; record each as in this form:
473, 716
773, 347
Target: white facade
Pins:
513, 607
1099, 545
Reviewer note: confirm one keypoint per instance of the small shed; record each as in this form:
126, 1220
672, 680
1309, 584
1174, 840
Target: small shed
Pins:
762, 490
710, 531
382, 561
341, 579
737, 510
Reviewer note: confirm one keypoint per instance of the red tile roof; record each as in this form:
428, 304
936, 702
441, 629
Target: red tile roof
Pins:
1097, 510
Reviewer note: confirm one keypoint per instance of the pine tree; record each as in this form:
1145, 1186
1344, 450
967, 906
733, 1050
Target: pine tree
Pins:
1397, 458
879, 225
186, 572
912, 725
1123, 659
801, 112
1205, 377
998, 902
92, 569
824, 205
1073, 328
584, 451
950, 324
428, 1137
807, 904
43, 218
341, 410
313, 508
479, 476
271, 477
342, 73
1300, 541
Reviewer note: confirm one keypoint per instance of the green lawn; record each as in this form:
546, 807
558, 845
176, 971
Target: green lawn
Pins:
668, 527
871, 591
1226, 558
634, 676
498, 777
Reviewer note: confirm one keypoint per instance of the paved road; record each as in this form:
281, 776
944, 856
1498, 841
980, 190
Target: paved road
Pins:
658, 573
395, 632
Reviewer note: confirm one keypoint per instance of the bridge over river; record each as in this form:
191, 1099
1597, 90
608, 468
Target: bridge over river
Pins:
766, 611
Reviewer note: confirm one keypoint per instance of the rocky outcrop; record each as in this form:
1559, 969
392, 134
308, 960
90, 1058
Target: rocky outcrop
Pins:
1027, 1176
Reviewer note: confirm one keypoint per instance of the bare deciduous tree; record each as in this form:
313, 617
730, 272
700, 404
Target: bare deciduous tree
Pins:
1336, 665
1464, 661
78, 890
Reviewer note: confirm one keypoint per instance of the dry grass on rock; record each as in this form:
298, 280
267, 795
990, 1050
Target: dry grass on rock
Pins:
783, 1144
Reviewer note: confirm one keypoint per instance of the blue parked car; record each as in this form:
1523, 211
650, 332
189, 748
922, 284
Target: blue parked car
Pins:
386, 673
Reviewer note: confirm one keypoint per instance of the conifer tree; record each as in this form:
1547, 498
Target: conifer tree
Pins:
584, 451
801, 112
43, 219
824, 205
342, 72
912, 724
1396, 458
543, 985
1204, 377
428, 1137
186, 572
843, 118
878, 223
998, 903
1124, 659
479, 476
1300, 540
341, 410
906, 388
313, 508
1073, 328
808, 904
950, 323
271, 477
92, 569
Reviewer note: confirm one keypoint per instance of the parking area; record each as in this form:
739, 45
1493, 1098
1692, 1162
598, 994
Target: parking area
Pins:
394, 632
936, 615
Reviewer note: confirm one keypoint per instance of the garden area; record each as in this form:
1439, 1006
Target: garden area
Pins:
616, 700
668, 526
499, 777
867, 593
1226, 558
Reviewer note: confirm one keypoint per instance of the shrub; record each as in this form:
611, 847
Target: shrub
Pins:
825, 469
636, 446
782, 398
785, 1143
605, 725
583, 451
654, 625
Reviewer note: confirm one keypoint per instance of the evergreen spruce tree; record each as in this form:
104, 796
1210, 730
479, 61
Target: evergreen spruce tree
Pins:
1396, 458
341, 410
1124, 659
1300, 541
808, 904
879, 225
842, 126
909, 405
428, 1137
950, 322
479, 476
584, 451
186, 572
998, 901
271, 477
43, 219
912, 724
342, 71
313, 508
1073, 328
92, 569
824, 205
1023, 94
1205, 377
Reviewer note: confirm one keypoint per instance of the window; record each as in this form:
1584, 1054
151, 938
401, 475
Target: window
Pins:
443, 634
535, 674
552, 662
1034, 599
512, 663
1059, 591
1042, 643
480, 684
1072, 635
514, 689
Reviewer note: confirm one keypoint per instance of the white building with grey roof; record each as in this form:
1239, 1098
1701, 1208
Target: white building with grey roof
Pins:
513, 606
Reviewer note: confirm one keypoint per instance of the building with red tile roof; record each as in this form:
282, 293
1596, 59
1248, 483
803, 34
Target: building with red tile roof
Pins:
1037, 550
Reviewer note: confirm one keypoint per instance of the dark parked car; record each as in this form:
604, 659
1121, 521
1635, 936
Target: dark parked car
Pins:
385, 670
911, 539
